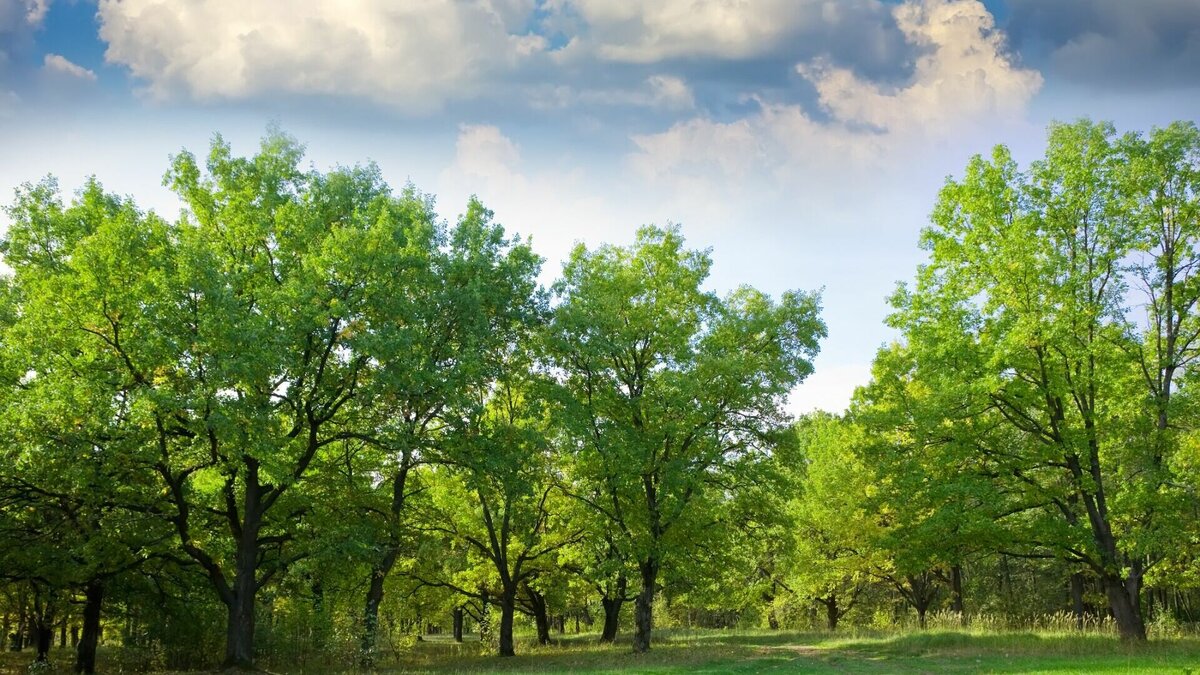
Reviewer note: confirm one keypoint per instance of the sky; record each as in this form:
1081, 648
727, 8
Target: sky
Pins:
802, 141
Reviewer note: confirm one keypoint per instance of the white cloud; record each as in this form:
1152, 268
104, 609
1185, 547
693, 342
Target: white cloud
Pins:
35, 11
482, 152
29, 12
965, 74
60, 64
557, 204
662, 92
413, 55
648, 32
19, 20
964, 79
671, 92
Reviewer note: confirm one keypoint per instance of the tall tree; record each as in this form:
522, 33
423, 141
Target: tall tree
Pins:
70, 431
467, 296
837, 541
667, 387
497, 495
1021, 314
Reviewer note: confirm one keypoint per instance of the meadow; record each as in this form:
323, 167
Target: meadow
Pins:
756, 651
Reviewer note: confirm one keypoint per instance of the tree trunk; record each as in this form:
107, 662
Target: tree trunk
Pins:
371, 608
537, 602
612, 610
612, 618
384, 567
458, 624
957, 603
18, 638
833, 611
562, 623
920, 592
44, 638
507, 610
85, 652
1126, 614
644, 606
239, 634
1077, 599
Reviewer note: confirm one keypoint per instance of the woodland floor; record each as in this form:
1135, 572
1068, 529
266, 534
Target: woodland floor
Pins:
765, 652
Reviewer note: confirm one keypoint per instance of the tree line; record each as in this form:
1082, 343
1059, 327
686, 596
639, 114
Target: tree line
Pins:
309, 414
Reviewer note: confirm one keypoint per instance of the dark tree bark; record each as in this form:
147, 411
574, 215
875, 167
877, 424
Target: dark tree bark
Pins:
537, 604
919, 590
508, 606
383, 567
19, 638
833, 611
371, 609
956, 591
239, 634
612, 609
458, 624
85, 651
644, 606
1077, 608
1125, 611
43, 631
958, 603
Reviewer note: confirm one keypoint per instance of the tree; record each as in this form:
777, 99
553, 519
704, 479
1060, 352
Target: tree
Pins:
246, 332
666, 387
836, 544
1021, 316
83, 510
496, 495
467, 296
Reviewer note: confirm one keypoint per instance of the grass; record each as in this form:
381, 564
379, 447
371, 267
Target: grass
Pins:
934, 651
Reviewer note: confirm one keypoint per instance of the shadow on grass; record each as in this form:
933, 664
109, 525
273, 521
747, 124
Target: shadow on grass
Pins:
940, 651
684, 651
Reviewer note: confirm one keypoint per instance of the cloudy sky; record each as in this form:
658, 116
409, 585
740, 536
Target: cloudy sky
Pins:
802, 140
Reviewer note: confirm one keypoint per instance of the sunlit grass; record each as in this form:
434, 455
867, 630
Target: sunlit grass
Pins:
854, 650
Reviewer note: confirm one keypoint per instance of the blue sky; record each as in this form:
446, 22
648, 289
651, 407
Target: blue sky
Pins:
804, 141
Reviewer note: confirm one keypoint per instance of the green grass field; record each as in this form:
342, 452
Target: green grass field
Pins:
781, 652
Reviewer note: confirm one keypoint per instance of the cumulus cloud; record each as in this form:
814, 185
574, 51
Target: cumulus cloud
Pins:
412, 55
661, 92
649, 32
481, 151
965, 73
18, 21
556, 204
1112, 43
964, 77
56, 63
27, 12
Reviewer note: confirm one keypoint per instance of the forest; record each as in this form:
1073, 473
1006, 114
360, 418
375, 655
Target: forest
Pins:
310, 420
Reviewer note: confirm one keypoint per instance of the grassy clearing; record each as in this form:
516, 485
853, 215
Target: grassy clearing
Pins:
935, 651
